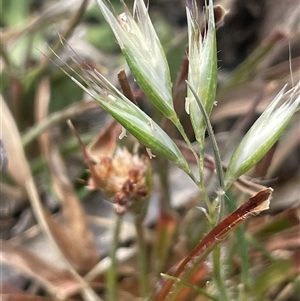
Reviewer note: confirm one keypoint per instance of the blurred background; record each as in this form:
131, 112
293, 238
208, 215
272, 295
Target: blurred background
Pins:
258, 53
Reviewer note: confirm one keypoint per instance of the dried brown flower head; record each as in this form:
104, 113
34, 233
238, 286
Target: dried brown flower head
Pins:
123, 177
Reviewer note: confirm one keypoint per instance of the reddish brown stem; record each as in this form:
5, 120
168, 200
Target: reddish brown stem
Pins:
254, 205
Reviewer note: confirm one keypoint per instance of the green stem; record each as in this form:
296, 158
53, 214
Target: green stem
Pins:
112, 273
217, 157
142, 258
185, 137
200, 164
216, 256
213, 214
164, 173
242, 246
196, 288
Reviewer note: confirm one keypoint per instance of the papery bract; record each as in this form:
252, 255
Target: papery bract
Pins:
143, 53
263, 134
